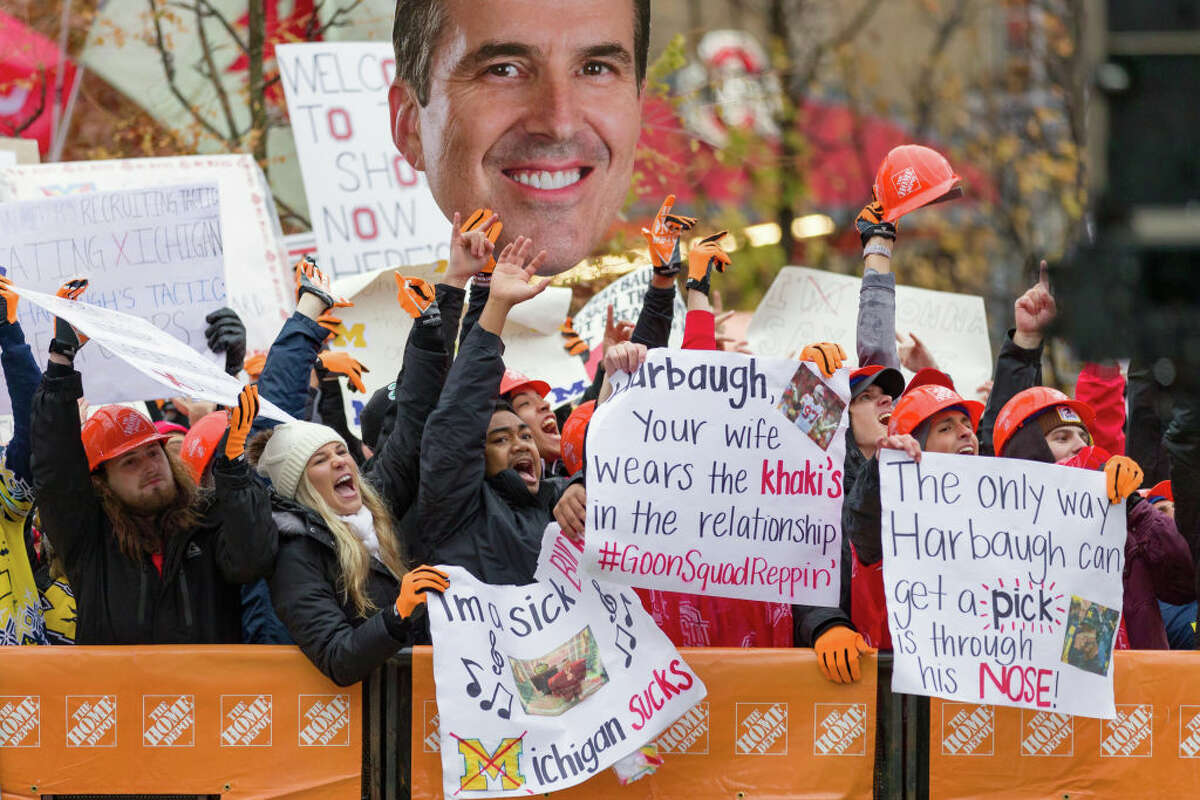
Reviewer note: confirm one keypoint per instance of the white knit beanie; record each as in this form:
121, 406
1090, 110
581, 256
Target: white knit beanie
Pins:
287, 453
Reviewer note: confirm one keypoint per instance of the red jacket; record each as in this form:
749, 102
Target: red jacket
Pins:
1103, 388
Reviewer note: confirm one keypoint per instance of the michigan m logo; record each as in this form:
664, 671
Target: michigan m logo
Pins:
480, 765
344, 337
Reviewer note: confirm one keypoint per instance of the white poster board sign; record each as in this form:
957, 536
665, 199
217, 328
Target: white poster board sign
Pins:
1003, 581
807, 305
540, 687
258, 279
626, 294
369, 208
721, 474
172, 365
155, 253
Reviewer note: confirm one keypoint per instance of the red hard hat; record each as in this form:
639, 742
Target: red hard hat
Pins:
1030, 403
912, 176
514, 381
1159, 492
200, 443
115, 430
923, 402
928, 376
574, 433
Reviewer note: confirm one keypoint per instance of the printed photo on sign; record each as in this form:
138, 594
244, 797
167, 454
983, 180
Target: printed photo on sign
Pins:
561, 679
812, 406
1088, 642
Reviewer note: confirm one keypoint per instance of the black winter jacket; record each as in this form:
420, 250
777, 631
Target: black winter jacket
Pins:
196, 600
491, 527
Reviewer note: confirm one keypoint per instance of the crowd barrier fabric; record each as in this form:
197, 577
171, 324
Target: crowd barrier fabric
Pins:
1151, 749
770, 727
238, 722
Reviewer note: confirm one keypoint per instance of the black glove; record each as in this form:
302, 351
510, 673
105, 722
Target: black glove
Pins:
870, 223
226, 334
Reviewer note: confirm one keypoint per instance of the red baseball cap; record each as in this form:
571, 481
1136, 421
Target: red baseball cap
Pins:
928, 376
514, 382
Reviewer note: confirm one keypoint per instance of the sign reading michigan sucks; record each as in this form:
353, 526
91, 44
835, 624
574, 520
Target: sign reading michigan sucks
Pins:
720, 474
540, 687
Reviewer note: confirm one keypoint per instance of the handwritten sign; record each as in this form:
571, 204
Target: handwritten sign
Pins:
721, 474
154, 253
540, 687
1003, 581
172, 367
369, 208
807, 305
626, 295
257, 276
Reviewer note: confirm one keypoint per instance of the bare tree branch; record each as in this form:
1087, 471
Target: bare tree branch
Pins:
258, 100
214, 77
288, 211
923, 90
314, 30
169, 70
213, 12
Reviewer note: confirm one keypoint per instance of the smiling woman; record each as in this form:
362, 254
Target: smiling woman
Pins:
537, 121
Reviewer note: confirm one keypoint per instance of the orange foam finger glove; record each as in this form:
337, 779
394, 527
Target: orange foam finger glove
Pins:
493, 233
341, 363
705, 256
828, 356
838, 650
241, 418
414, 585
1122, 477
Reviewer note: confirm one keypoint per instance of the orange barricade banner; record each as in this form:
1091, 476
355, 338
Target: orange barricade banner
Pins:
1151, 749
239, 722
771, 726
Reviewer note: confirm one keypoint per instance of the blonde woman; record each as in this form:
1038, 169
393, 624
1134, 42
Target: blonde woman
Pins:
340, 584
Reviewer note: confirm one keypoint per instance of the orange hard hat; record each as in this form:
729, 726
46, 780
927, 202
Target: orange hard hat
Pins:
514, 381
912, 176
200, 443
918, 405
115, 430
1028, 404
574, 433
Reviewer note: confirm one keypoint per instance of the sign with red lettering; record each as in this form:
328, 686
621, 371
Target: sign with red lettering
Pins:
719, 474
369, 208
1003, 581
540, 687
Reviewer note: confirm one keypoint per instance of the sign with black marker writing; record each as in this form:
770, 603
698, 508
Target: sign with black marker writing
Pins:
1003, 581
540, 687
369, 208
721, 474
155, 253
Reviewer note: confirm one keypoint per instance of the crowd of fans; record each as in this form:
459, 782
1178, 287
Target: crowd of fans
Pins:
210, 525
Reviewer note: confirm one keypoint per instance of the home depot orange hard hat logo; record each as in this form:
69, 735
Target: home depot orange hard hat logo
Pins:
92, 720
20, 721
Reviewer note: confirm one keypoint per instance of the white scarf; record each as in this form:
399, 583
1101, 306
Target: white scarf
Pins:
363, 525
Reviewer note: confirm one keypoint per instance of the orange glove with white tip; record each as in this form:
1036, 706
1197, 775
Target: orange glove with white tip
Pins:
705, 256
663, 238
415, 584
241, 419
1122, 477
67, 340
828, 356
419, 299
838, 650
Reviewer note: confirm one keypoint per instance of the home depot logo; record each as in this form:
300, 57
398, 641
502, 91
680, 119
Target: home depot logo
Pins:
21, 721
168, 720
906, 182
689, 734
246, 720
968, 730
762, 729
92, 720
839, 729
1189, 731
431, 742
324, 720
1130, 734
1046, 734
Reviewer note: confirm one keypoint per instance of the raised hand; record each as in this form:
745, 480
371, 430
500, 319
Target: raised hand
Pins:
418, 299
914, 355
869, 222
615, 331
624, 357
663, 238
311, 280
573, 343
1034, 311
483, 225
828, 356
705, 256
8, 300
339, 363
227, 334
329, 322
512, 275
241, 419
67, 340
